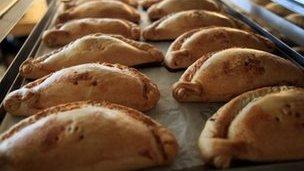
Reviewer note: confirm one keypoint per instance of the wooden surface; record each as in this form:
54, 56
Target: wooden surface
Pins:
30, 18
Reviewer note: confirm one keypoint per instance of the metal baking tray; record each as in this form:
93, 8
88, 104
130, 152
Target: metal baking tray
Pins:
186, 120
293, 5
291, 32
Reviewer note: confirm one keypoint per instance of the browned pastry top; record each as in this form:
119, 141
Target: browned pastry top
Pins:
262, 125
93, 81
223, 75
91, 49
100, 9
87, 135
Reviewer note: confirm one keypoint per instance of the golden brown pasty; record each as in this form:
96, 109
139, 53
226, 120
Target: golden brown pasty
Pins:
297, 19
111, 82
100, 9
194, 44
148, 3
263, 125
72, 30
278, 9
91, 49
231, 72
261, 2
172, 26
86, 136
72, 3
166, 7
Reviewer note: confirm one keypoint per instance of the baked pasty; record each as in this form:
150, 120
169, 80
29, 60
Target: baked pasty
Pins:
86, 136
278, 9
148, 3
263, 125
72, 3
111, 82
262, 2
228, 73
172, 26
75, 29
92, 49
100, 9
297, 19
166, 7
194, 44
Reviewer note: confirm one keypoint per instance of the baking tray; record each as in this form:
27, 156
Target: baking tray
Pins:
186, 120
293, 5
291, 32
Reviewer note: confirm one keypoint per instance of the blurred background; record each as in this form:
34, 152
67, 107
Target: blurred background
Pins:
10, 46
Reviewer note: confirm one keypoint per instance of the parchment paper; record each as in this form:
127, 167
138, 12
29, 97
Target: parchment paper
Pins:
186, 120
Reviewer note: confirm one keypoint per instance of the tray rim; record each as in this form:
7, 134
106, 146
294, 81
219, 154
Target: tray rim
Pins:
12, 80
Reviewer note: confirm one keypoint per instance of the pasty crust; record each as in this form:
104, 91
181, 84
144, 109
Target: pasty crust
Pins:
262, 2
261, 125
148, 3
229, 73
73, 3
87, 136
111, 82
72, 30
192, 45
166, 7
174, 25
297, 19
91, 49
100, 9
278, 9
